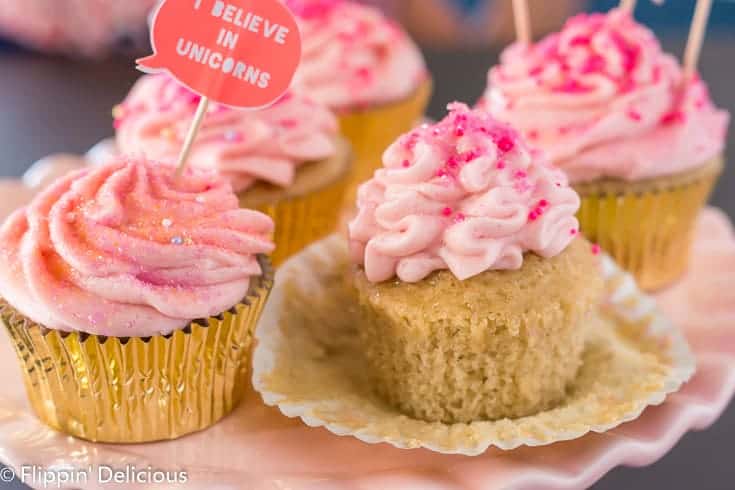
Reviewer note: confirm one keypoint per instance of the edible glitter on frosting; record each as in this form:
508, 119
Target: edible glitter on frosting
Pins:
353, 56
246, 146
465, 194
127, 249
603, 100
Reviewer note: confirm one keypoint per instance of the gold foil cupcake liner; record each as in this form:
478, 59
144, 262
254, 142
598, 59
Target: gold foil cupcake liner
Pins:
303, 220
647, 227
372, 130
129, 390
308, 363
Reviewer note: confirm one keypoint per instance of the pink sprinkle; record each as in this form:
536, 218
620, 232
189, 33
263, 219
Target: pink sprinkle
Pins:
501, 165
441, 173
471, 155
634, 115
580, 40
289, 123
573, 231
452, 162
596, 249
459, 131
459, 217
363, 73
543, 203
447, 211
406, 163
520, 174
594, 64
573, 87
536, 71
532, 216
505, 144
673, 117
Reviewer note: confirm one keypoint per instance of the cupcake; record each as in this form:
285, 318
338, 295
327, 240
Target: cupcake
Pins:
641, 144
286, 160
474, 285
364, 67
131, 297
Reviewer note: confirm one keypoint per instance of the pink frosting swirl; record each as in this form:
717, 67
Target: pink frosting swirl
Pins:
245, 146
603, 100
126, 249
353, 56
466, 195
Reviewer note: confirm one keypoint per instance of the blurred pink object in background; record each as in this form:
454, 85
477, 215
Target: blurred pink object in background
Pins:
85, 27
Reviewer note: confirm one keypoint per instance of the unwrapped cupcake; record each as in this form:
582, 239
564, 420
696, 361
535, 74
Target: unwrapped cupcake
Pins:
474, 284
286, 160
131, 297
367, 69
640, 143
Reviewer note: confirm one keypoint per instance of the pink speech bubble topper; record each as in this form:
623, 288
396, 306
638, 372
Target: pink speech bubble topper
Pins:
241, 53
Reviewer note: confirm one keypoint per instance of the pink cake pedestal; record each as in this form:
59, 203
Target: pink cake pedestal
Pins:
259, 449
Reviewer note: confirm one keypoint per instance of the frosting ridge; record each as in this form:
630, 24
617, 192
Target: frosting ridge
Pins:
126, 249
245, 146
353, 56
602, 99
465, 194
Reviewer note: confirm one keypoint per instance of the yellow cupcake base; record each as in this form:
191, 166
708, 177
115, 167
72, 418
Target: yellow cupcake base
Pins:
372, 130
130, 390
647, 226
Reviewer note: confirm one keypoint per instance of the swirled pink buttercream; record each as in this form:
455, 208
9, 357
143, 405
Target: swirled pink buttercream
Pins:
245, 146
466, 195
354, 56
603, 100
126, 249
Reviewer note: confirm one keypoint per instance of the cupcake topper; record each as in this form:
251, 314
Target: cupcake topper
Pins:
628, 5
240, 53
522, 20
696, 37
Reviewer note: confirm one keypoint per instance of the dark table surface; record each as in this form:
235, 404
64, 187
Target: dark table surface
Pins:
50, 105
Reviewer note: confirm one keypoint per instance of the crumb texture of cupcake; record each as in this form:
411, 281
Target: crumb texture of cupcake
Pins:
131, 298
475, 288
603, 100
246, 146
353, 56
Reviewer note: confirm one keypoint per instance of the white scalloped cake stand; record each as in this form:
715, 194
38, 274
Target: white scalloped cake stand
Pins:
256, 448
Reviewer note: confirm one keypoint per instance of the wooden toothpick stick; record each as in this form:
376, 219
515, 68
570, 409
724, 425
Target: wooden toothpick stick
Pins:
696, 37
191, 135
628, 5
522, 20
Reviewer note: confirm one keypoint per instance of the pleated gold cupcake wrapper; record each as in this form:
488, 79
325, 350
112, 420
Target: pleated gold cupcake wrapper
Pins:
308, 363
372, 130
303, 220
127, 390
647, 229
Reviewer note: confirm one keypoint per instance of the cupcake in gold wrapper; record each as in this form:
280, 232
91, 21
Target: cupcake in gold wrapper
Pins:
372, 129
639, 139
648, 225
100, 277
367, 69
308, 210
286, 160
